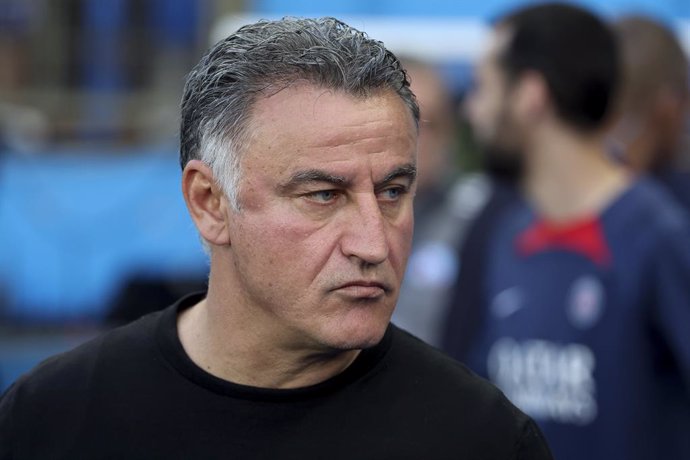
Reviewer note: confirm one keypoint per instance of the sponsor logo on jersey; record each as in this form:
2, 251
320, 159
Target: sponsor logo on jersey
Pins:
547, 380
585, 302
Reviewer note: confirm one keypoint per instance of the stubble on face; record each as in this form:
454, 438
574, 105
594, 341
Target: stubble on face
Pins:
496, 130
319, 247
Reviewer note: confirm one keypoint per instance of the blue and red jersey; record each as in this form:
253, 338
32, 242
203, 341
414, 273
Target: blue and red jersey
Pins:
586, 326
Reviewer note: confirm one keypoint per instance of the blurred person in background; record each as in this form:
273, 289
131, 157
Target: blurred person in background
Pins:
654, 104
298, 148
444, 207
584, 295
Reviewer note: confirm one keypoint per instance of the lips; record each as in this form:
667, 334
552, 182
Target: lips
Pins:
363, 289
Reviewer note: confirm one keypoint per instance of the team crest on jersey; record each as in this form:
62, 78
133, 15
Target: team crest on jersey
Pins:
585, 302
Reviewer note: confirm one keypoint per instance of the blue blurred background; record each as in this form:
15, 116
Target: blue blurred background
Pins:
91, 216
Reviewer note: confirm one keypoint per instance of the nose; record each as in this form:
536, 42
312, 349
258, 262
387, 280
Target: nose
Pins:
364, 237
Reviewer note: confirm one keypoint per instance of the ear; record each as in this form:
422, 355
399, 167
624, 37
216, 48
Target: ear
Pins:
531, 97
206, 202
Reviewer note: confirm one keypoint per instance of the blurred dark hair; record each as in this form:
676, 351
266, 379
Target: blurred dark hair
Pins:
652, 60
573, 50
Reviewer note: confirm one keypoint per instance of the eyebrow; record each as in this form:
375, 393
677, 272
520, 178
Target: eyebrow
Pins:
408, 171
310, 176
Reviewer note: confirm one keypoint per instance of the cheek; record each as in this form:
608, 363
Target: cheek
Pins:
400, 240
285, 239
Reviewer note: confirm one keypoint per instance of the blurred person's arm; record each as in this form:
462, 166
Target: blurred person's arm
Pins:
671, 290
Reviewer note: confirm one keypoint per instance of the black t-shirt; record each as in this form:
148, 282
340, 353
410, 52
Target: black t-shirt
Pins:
134, 393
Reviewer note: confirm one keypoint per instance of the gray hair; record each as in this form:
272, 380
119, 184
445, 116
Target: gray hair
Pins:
266, 56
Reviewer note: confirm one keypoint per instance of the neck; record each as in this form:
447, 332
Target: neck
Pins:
569, 176
230, 341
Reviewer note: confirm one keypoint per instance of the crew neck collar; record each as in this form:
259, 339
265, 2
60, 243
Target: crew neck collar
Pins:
171, 347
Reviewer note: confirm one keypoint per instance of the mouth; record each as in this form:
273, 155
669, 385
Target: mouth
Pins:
362, 289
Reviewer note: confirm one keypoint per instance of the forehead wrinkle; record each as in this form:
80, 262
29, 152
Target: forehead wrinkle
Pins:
352, 134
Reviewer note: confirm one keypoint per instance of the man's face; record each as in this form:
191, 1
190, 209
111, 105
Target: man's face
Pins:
491, 107
323, 233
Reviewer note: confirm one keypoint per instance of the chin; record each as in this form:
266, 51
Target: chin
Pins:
355, 343
357, 334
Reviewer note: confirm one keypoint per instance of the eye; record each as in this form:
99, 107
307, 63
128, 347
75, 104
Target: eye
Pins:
322, 196
392, 193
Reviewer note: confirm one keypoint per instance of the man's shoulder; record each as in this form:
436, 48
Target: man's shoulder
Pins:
417, 355
444, 380
677, 182
46, 409
650, 203
67, 375
657, 218
467, 412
